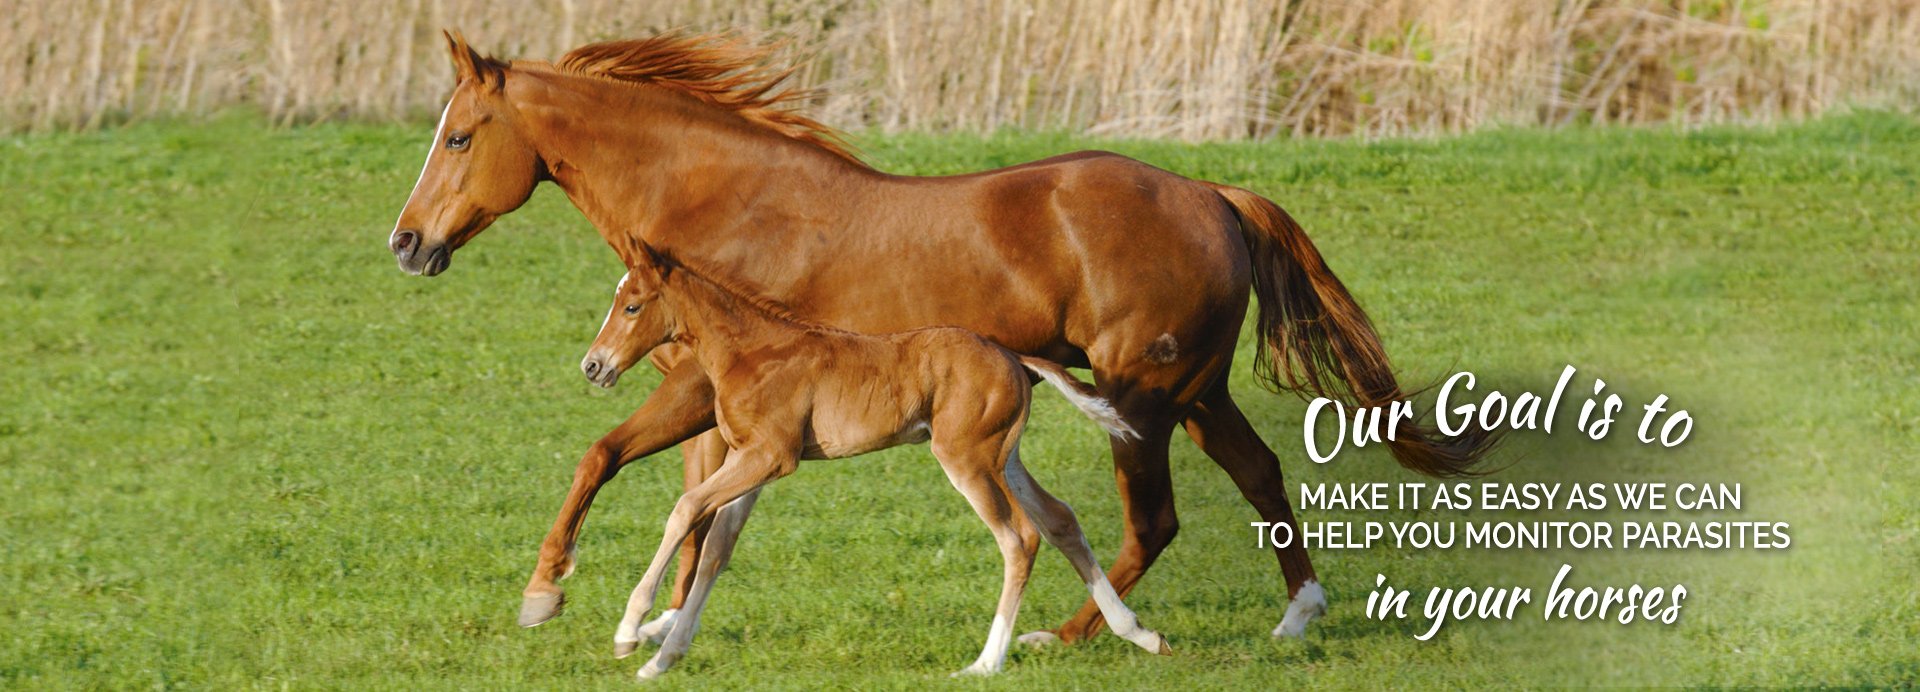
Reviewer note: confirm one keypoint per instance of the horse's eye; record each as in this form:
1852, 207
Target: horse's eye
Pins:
458, 140
633, 309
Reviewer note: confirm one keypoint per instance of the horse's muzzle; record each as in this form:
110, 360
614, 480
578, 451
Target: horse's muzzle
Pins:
414, 258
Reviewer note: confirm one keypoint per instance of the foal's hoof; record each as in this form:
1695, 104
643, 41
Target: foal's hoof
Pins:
653, 669
655, 631
625, 649
1149, 640
1042, 638
539, 608
974, 671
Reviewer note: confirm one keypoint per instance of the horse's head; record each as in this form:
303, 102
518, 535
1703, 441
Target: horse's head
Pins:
636, 324
481, 165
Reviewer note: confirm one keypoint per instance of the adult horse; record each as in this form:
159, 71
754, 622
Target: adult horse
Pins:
1089, 259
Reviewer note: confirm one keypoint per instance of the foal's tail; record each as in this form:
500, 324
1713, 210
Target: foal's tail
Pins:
1319, 341
1082, 395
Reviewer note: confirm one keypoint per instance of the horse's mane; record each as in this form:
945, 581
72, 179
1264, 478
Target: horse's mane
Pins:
722, 70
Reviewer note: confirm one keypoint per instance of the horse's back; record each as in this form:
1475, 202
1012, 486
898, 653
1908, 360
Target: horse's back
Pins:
1056, 161
1117, 241
1083, 251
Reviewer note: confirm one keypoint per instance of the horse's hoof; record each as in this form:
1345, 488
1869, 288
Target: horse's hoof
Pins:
1163, 649
1039, 639
974, 671
625, 649
539, 608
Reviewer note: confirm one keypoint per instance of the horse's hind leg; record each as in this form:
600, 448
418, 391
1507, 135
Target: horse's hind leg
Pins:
1061, 529
976, 473
1222, 431
718, 548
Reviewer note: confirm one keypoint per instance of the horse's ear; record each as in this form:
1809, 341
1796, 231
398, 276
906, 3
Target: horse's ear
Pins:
469, 63
461, 54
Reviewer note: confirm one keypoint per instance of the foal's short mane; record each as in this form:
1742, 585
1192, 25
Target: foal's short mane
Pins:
721, 70
668, 265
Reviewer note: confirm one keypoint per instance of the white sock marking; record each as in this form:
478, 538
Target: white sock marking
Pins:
1121, 618
1309, 604
994, 654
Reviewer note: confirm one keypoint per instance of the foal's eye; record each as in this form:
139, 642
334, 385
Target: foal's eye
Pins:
458, 140
633, 309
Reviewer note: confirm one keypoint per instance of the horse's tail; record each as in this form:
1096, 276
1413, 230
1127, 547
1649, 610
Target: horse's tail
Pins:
1082, 395
1319, 341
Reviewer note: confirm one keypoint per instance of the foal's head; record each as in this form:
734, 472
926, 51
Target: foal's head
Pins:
636, 324
480, 165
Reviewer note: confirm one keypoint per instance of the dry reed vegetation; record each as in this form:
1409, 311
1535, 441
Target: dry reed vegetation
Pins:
1192, 69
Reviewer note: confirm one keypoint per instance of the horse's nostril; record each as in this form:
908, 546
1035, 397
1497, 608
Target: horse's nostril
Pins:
592, 367
404, 241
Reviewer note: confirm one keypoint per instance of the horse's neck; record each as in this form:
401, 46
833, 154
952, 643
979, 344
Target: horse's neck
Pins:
677, 173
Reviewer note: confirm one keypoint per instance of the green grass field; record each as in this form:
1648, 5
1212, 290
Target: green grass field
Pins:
239, 449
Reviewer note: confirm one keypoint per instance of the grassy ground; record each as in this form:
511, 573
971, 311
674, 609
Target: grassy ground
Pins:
239, 449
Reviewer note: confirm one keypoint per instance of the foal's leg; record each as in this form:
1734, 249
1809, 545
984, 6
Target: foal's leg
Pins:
743, 472
1058, 524
702, 456
1146, 486
977, 474
681, 407
1222, 431
713, 557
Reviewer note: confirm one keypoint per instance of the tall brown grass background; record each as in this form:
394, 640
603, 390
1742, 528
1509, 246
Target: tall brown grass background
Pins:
1191, 69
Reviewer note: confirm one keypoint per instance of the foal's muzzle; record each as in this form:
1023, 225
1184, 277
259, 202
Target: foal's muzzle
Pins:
410, 250
600, 370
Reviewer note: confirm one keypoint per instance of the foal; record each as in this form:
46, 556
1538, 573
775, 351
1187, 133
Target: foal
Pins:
786, 389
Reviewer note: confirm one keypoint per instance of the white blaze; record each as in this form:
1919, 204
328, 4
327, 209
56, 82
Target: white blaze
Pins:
439, 133
616, 301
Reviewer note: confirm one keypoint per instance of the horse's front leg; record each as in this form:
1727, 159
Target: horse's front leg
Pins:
680, 408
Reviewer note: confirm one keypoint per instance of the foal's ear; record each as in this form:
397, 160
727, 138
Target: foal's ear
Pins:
631, 255
470, 64
661, 262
